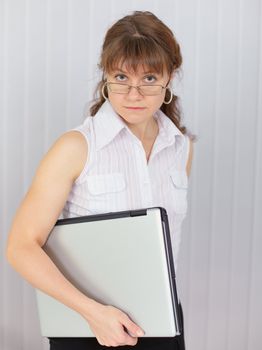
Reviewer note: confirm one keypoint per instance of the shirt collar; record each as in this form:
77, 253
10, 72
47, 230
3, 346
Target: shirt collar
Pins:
167, 129
108, 124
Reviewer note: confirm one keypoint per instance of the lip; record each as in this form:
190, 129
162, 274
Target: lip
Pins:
136, 108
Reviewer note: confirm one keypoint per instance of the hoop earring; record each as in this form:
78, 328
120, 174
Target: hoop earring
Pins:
170, 99
103, 91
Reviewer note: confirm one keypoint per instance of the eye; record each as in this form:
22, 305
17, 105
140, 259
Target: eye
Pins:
150, 79
120, 77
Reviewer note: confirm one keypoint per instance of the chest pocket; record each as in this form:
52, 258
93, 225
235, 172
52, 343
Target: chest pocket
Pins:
179, 186
106, 192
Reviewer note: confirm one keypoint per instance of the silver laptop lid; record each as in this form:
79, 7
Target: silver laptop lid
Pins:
122, 259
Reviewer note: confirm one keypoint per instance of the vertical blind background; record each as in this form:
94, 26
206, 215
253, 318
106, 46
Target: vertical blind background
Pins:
48, 56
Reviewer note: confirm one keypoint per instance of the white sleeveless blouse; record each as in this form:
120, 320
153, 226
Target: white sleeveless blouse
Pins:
117, 176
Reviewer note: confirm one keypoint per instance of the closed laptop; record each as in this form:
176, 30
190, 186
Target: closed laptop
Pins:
123, 259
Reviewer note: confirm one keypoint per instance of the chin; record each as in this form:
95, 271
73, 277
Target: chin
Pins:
133, 118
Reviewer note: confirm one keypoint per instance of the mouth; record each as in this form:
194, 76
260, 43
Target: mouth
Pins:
136, 108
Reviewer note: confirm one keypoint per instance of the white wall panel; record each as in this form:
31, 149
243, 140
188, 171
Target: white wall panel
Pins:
222, 177
14, 41
255, 277
2, 155
48, 71
245, 145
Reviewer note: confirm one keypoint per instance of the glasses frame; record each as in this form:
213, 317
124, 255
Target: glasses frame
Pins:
138, 87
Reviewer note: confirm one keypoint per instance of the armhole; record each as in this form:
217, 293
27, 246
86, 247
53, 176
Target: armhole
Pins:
81, 176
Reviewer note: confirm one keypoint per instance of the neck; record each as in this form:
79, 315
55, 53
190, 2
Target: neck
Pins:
144, 131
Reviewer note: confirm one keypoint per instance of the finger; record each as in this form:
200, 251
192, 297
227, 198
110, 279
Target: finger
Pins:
131, 340
132, 328
128, 332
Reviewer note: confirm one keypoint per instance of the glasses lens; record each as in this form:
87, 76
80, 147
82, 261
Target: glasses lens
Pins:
150, 90
118, 88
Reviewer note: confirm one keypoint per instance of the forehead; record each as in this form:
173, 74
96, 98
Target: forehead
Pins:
138, 70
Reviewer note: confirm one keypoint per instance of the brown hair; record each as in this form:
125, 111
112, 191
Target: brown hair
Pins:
141, 38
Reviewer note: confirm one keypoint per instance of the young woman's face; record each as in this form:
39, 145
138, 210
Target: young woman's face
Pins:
135, 107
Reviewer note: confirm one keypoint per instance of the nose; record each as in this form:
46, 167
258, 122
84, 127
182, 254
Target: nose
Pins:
134, 93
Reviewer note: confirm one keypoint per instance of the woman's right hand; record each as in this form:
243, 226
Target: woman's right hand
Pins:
112, 327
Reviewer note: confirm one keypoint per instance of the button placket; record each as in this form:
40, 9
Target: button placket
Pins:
146, 189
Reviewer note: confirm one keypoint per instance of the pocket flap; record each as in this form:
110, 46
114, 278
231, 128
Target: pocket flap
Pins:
106, 183
179, 178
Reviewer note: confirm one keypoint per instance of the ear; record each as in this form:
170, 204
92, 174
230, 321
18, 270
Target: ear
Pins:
104, 77
170, 79
173, 74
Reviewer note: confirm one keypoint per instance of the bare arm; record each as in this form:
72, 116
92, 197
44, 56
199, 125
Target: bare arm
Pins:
37, 215
33, 222
190, 157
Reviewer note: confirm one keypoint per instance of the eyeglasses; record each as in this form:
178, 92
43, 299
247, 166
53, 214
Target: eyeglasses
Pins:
146, 90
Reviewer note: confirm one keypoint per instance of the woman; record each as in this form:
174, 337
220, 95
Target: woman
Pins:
131, 152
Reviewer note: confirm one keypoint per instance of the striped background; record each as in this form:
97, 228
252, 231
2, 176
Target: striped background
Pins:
48, 55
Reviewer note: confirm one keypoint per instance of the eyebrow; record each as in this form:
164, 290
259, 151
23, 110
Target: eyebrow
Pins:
122, 71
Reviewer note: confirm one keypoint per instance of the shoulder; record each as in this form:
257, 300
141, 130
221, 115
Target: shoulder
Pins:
72, 141
69, 152
190, 157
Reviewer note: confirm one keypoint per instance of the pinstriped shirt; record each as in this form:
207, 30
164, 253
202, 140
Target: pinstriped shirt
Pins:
117, 175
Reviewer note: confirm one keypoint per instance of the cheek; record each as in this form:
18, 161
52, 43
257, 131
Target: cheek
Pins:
115, 99
157, 101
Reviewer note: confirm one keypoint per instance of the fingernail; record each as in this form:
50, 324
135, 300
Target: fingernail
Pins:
140, 333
